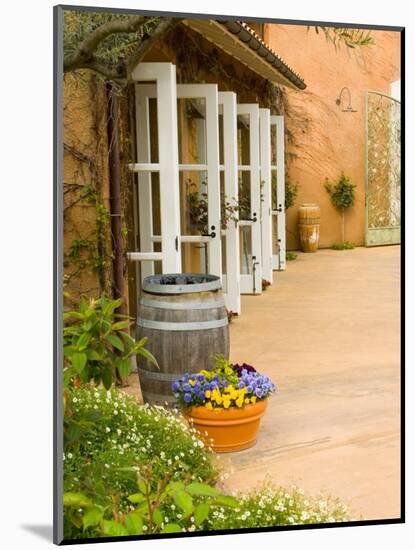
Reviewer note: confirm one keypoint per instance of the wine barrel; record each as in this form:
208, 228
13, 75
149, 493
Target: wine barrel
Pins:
185, 320
309, 226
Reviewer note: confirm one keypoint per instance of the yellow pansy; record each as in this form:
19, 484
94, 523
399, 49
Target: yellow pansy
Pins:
226, 403
208, 393
253, 399
240, 401
247, 401
209, 406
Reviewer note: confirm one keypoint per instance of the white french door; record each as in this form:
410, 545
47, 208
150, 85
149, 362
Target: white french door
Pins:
196, 151
228, 158
156, 168
198, 121
194, 181
249, 199
278, 193
266, 216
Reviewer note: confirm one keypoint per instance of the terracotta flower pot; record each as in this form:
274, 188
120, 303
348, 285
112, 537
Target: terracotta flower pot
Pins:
231, 429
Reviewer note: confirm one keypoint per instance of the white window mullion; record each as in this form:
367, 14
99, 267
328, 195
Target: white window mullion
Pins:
266, 216
230, 154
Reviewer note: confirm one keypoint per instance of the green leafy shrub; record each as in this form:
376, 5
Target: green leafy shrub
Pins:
96, 345
133, 469
290, 256
342, 195
343, 246
111, 435
291, 192
169, 507
270, 506
177, 506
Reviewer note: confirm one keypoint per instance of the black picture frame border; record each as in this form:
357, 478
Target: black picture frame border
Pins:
58, 275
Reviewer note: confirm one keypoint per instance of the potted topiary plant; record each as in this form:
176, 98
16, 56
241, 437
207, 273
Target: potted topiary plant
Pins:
226, 403
342, 194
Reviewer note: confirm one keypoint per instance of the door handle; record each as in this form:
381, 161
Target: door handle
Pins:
253, 219
279, 209
212, 234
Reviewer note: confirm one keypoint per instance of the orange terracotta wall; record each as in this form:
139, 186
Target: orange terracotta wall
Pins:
326, 140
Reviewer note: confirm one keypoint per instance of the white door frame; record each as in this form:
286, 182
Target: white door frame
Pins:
165, 76
252, 283
279, 256
266, 216
230, 168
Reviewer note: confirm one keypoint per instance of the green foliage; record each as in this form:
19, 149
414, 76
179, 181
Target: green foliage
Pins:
153, 511
291, 192
96, 344
343, 246
116, 47
342, 192
179, 506
351, 38
90, 251
122, 446
290, 256
269, 507
198, 209
244, 200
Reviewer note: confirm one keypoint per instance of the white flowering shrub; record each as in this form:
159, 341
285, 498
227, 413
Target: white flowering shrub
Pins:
110, 435
136, 469
271, 506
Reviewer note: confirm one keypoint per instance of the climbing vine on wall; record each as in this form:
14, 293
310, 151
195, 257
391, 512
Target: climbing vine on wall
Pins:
87, 247
88, 251
198, 61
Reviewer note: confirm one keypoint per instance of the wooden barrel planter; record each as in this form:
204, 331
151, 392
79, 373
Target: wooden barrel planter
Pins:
185, 320
309, 226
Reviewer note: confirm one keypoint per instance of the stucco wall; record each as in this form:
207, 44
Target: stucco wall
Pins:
326, 140
85, 172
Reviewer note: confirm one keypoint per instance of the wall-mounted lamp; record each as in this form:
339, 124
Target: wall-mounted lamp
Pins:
349, 108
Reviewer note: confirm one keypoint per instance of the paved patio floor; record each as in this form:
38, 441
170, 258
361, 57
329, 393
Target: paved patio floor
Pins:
328, 333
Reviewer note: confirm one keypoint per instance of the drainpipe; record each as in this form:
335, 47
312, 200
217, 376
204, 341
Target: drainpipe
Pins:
115, 196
